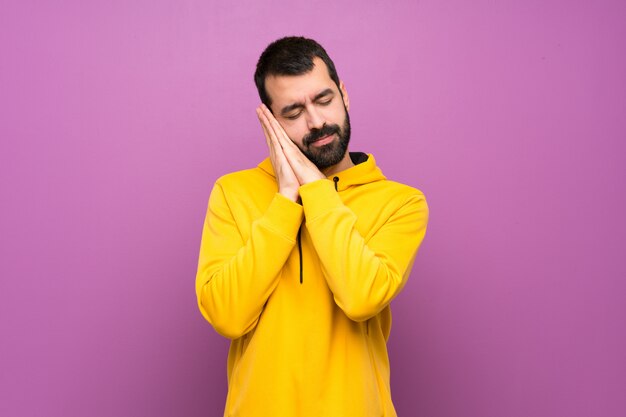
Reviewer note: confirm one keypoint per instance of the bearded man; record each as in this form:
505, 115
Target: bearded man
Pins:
301, 256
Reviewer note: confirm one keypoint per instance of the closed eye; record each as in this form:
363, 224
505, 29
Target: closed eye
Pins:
294, 116
321, 102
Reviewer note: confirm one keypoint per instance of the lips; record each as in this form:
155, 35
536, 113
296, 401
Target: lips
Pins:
323, 141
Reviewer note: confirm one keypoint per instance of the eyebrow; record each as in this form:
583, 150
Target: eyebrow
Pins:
294, 106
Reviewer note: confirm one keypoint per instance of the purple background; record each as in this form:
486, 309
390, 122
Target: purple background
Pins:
116, 118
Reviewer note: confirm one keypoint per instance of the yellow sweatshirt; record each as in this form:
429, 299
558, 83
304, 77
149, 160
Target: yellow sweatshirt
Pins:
303, 290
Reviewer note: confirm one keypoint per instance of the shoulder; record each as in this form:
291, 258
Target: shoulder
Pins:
399, 191
246, 187
406, 202
244, 179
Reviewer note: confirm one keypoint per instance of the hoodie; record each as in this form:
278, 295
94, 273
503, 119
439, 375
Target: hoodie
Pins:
303, 290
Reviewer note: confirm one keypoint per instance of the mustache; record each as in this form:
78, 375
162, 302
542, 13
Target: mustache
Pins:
316, 134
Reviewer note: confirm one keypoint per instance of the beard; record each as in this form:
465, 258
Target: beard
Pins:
332, 153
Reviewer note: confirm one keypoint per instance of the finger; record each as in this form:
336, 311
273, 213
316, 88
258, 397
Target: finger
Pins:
259, 114
270, 144
302, 167
270, 135
290, 150
279, 156
277, 129
268, 129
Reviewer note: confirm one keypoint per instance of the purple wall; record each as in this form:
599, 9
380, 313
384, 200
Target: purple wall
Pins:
116, 118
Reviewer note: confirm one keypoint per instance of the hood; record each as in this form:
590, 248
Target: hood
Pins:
364, 171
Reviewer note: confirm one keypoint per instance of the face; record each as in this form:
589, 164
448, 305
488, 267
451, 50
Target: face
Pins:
313, 112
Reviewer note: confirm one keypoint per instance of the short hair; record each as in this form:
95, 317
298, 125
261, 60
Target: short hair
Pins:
291, 55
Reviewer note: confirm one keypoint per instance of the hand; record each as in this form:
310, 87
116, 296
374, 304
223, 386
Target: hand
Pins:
288, 183
304, 170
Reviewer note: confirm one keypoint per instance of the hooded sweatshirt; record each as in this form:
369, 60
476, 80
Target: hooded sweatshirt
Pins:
303, 290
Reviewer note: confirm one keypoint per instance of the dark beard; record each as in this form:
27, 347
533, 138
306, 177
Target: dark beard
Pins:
332, 153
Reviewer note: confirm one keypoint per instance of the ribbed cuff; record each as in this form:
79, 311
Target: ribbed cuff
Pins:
319, 197
283, 216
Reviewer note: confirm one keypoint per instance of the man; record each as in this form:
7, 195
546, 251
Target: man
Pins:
301, 256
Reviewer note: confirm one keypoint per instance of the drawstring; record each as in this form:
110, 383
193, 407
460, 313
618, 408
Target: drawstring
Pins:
335, 180
300, 251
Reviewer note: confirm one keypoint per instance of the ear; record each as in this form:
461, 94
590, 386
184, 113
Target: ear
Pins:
344, 93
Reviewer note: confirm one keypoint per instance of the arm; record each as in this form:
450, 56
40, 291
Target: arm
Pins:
235, 278
363, 276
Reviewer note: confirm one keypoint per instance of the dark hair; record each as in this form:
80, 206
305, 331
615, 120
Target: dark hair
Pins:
292, 55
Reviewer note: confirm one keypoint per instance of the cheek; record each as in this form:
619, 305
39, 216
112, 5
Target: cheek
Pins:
296, 131
336, 112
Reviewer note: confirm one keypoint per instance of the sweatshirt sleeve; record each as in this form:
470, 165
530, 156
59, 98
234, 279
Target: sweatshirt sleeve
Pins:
236, 277
363, 276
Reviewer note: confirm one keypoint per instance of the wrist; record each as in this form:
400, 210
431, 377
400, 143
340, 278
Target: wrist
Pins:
313, 177
292, 195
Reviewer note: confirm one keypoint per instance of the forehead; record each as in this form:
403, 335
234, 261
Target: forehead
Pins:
288, 89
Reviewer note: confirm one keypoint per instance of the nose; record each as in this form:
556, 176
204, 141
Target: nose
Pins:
315, 119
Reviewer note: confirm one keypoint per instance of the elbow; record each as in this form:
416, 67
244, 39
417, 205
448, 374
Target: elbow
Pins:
363, 305
217, 313
227, 325
360, 311
230, 331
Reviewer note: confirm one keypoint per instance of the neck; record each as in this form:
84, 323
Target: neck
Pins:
344, 164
